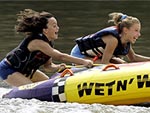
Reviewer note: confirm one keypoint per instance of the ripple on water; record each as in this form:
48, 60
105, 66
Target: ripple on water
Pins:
36, 106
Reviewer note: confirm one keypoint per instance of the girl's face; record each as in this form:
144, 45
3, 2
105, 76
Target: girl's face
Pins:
133, 33
52, 29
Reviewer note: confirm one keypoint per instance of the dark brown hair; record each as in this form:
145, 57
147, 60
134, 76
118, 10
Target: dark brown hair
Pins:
30, 21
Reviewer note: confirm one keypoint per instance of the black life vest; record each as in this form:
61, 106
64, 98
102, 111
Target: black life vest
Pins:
96, 45
25, 61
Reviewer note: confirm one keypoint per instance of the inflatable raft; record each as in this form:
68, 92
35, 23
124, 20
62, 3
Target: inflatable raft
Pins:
116, 84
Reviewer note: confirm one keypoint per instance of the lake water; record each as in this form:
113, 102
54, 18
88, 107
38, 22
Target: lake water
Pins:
75, 19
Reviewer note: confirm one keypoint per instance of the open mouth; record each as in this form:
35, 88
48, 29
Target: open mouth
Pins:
56, 33
134, 38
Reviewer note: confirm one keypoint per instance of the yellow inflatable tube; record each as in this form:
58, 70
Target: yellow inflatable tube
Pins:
125, 84
116, 84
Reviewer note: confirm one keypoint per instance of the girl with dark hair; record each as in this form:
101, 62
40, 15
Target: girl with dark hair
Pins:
20, 66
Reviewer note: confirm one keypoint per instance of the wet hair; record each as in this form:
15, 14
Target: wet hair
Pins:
122, 20
30, 21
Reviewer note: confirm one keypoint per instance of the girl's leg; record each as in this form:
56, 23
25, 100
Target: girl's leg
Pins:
114, 60
117, 60
17, 79
39, 76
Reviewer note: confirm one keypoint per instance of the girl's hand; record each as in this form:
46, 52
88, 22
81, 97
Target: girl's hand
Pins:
62, 67
88, 63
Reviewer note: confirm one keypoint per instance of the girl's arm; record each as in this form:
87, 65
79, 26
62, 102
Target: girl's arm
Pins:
55, 54
49, 66
111, 44
133, 57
